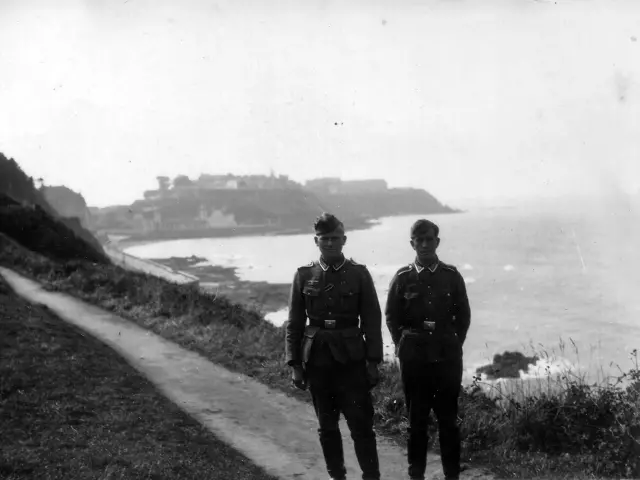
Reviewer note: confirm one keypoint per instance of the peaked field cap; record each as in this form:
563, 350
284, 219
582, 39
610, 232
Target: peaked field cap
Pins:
327, 223
422, 226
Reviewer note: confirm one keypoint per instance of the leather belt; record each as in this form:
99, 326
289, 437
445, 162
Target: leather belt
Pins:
428, 326
333, 324
424, 326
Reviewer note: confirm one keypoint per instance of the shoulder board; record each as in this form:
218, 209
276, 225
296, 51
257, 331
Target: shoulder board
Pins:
356, 263
405, 269
308, 265
446, 266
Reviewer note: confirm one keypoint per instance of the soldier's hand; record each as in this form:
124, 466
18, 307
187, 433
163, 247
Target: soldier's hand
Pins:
297, 377
372, 374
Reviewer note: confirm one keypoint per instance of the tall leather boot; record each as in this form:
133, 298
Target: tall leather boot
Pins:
417, 453
450, 450
331, 442
367, 454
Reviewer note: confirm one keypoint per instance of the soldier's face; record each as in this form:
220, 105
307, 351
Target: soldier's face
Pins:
331, 244
425, 244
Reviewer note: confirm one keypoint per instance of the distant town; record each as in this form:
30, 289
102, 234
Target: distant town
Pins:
239, 204
183, 185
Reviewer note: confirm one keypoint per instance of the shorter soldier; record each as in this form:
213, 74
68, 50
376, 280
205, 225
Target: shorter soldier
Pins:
330, 354
428, 316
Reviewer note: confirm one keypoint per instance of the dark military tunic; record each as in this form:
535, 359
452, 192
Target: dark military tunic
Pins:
430, 306
343, 332
341, 304
428, 316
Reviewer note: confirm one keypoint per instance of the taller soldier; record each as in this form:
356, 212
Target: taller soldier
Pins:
428, 316
337, 354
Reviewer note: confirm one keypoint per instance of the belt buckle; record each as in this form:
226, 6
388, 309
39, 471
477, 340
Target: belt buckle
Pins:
330, 324
429, 326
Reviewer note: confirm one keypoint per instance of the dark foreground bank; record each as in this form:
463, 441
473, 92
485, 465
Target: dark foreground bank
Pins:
72, 408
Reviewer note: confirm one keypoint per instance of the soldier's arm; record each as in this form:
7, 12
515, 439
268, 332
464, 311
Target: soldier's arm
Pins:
295, 322
461, 308
393, 308
371, 317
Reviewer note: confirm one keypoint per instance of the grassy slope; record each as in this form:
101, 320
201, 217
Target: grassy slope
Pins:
71, 408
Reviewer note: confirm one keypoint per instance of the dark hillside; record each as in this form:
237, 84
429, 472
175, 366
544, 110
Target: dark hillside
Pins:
39, 231
27, 217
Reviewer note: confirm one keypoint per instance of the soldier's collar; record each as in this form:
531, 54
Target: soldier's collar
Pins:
337, 267
432, 268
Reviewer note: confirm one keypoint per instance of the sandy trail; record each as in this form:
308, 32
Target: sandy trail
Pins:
276, 432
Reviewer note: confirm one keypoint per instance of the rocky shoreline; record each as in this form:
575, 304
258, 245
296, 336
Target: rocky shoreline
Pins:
263, 296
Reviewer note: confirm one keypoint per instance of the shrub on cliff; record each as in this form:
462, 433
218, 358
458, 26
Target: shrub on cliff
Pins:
564, 423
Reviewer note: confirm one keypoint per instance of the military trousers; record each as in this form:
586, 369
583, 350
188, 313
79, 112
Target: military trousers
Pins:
344, 388
434, 385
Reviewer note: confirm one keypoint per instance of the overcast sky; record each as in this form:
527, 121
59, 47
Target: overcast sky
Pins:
465, 98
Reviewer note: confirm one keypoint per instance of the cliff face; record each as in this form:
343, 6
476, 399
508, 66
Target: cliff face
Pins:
17, 185
27, 217
34, 228
67, 203
395, 201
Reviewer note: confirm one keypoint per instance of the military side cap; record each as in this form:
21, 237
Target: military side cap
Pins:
422, 226
327, 223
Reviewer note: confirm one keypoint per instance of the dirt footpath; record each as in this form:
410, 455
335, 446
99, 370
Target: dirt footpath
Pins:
276, 432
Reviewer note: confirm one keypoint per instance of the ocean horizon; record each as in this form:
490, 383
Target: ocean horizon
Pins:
559, 280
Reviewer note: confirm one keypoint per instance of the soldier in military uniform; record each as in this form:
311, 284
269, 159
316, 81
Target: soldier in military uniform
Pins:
428, 316
337, 354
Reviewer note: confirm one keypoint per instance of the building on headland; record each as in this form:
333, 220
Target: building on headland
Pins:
216, 182
148, 217
152, 194
235, 182
183, 186
208, 202
337, 186
213, 218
